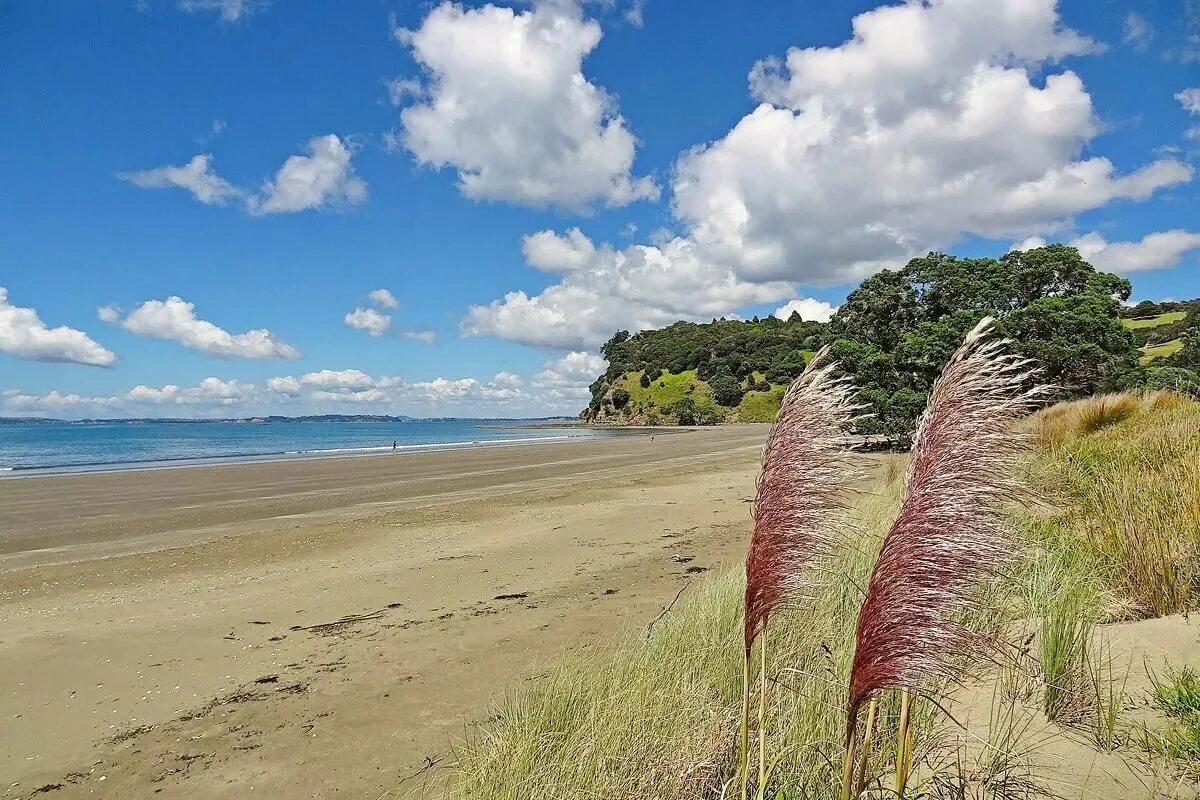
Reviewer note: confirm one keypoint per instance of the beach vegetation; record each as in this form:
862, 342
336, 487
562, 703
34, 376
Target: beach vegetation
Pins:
654, 712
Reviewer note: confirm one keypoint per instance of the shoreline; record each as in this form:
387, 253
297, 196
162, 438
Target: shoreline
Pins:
187, 462
325, 625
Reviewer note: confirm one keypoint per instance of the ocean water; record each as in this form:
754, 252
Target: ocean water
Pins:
32, 448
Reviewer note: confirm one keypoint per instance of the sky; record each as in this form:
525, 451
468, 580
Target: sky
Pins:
241, 207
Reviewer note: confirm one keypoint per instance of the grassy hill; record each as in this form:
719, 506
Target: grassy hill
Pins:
1158, 335
660, 402
1138, 323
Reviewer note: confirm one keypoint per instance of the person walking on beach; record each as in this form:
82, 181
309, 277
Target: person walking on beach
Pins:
394, 448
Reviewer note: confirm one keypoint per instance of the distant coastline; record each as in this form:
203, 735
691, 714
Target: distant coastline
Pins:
490, 421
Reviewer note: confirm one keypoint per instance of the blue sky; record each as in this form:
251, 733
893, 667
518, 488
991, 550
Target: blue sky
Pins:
201, 195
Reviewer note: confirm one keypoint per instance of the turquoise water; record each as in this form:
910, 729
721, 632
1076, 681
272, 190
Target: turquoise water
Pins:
29, 448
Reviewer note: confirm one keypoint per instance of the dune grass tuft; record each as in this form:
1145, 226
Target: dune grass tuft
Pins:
1130, 489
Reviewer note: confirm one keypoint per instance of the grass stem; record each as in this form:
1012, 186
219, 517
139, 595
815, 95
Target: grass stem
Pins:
866, 747
902, 743
745, 741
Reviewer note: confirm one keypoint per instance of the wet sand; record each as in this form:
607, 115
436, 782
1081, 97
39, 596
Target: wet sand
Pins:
327, 627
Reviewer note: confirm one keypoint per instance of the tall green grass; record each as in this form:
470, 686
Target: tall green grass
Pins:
1126, 471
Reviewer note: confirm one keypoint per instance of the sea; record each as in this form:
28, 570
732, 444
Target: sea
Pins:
30, 448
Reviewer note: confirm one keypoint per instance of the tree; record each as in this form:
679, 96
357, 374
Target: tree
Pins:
685, 410
620, 398
644, 381
726, 389
897, 329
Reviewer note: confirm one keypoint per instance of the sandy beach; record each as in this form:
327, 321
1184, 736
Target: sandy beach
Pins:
327, 627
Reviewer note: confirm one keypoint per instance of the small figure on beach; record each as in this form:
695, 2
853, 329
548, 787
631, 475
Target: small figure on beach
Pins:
394, 448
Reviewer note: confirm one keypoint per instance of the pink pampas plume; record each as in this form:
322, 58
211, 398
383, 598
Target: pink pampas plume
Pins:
951, 532
807, 468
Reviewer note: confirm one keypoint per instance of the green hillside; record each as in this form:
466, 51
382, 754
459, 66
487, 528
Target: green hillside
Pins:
1159, 328
1155, 321
1151, 352
672, 395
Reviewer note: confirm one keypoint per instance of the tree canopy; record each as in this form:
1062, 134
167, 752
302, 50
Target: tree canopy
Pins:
896, 331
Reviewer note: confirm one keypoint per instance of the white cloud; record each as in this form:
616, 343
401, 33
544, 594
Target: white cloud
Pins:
174, 319
924, 128
574, 370
1189, 99
1138, 31
509, 380
324, 391
368, 319
809, 309
426, 336
322, 178
288, 386
383, 298
1155, 251
506, 104
24, 335
229, 10
551, 252
110, 314
338, 379
635, 288
196, 176
213, 393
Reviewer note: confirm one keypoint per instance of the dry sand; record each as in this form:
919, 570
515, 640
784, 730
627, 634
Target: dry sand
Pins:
320, 628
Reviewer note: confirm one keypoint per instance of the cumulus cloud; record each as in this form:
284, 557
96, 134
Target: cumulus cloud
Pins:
921, 129
196, 176
638, 287
323, 391
575, 370
368, 319
324, 177
228, 10
210, 393
383, 298
24, 335
925, 127
174, 319
1190, 99
506, 104
505, 393
809, 309
1155, 251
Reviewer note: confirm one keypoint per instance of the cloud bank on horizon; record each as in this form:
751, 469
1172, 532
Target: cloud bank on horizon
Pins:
931, 124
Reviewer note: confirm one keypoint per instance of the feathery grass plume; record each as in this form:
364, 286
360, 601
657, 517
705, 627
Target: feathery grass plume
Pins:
807, 468
951, 532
